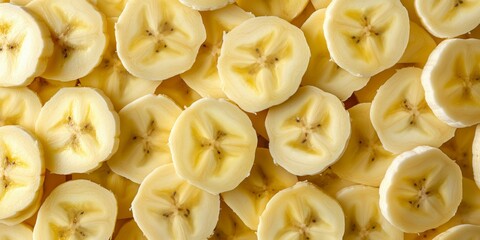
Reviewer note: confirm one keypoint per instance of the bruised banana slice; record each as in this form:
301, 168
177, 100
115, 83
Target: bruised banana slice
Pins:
130, 231
177, 90
459, 149
286, 9
19, 106
206, 5
420, 45
46, 88
464, 231
230, 226
20, 231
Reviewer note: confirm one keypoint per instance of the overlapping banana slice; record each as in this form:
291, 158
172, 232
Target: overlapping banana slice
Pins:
459, 149
464, 231
203, 76
20, 231
27, 213
206, 5
328, 181
402, 118
168, 207
451, 82
262, 67
145, 128
78, 33
249, 199
25, 46
301, 212
176, 89
19, 106
422, 189
46, 88
309, 132
286, 9
366, 37
420, 45
130, 231
79, 130
158, 39
111, 8
77, 209
230, 226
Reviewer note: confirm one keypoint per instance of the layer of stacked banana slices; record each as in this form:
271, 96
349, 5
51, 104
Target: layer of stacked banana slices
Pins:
239, 119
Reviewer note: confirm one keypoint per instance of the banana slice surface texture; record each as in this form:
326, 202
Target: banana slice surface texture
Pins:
20, 231
19, 106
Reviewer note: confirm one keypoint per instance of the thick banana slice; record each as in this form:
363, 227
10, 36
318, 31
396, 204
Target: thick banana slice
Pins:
79, 130
366, 37
309, 132
206, 5
19, 106
158, 39
176, 89
249, 199
78, 33
286, 9
203, 76
363, 219
402, 118
464, 231
420, 45
130, 231
46, 88
145, 128
451, 82
301, 212
20, 231
422, 189
168, 207
77, 209
230, 226
25, 46
111, 8
213, 145
328, 181
262, 66
459, 149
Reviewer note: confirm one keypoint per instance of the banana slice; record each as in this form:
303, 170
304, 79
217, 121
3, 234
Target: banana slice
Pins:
319, 4
18, 2
420, 45
450, 79
262, 67
459, 149
206, 5
476, 156
309, 132
249, 199
327, 181
77, 209
78, 33
301, 212
20, 231
145, 128
168, 207
286, 9
46, 88
464, 231
366, 37
158, 39
130, 231
402, 118
27, 213
421, 190
25, 46
203, 76
230, 226
363, 219
19, 106
79, 130
176, 89
322, 72
111, 8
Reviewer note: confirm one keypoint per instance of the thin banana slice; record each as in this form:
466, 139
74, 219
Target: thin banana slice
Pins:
249, 199
420, 45
309, 132
46, 88
262, 67
158, 39
176, 89
78, 33
206, 5
286, 9
130, 231
422, 189
301, 212
19, 106
230, 226
168, 207
79, 130
363, 219
366, 37
451, 82
77, 209
145, 128
459, 149
327, 181
402, 118
319, 4
203, 76
25, 46
20, 231
464, 231
111, 8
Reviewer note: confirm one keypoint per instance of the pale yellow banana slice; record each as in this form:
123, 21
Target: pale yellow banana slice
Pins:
262, 66
464, 232
46, 88
17, 232
168, 207
111, 8
19, 2
176, 89
420, 45
145, 128
249, 199
402, 118
158, 39
130, 231
309, 132
27, 213
79, 130
366, 37
206, 5
78, 33
230, 226
19, 106
459, 149
286, 9
328, 181
451, 80
422, 189
319, 4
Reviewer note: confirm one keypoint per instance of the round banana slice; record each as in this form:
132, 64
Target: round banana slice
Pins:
420, 45
230, 226
79, 130
286, 9
158, 39
459, 149
301, 212
422, 189
262, 66
366, 37
145, 128
177, 90
363, 219
78, 33
168, 207
111, 8
322, 72
77, 209
249, 199
130, 231
20, 231
402, 118
309, 132
25, 46
46, 88
451, 80
19, 106
213, 145
206, 5
464, 231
